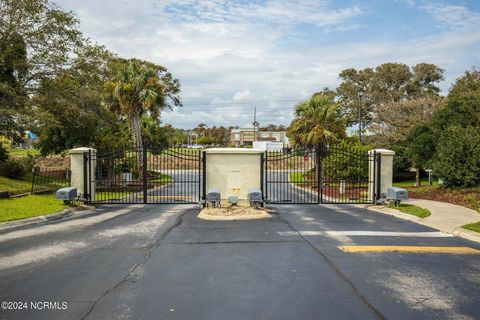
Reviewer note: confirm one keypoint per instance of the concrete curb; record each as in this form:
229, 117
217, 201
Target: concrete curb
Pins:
460, 232
467, 234
15, 224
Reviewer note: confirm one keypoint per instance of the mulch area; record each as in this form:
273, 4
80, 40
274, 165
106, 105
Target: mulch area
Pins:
467, 197
351, 193
234, 213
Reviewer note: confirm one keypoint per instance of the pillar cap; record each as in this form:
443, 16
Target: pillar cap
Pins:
81, 150
235, 150
382, 151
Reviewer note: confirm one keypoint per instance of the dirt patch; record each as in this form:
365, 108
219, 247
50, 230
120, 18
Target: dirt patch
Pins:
53, 162
235, 213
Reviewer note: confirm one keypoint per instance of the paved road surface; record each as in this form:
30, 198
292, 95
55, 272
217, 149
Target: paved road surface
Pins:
186, 186
161, 262
280, 190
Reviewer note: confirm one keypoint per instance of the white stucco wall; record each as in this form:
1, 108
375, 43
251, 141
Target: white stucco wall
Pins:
233, 171
386, 174
77, 169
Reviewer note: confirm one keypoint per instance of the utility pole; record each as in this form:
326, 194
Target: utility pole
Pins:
255, 124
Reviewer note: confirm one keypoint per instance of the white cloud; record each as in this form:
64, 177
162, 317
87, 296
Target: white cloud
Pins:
241, 95
453, 15
232, 57
280, 11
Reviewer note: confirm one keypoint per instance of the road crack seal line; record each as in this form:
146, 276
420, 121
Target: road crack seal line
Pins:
338, 272
235, 242
148, 253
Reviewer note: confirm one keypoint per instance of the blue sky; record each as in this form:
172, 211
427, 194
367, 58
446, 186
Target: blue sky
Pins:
232, 56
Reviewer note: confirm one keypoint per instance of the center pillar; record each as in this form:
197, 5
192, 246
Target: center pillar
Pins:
233, 171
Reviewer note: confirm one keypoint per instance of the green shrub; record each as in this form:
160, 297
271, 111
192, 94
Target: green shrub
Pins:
3, 153
473, 202
346, 161
420, 145
205, 141
401, 164
457, 158
28, 162
13, 168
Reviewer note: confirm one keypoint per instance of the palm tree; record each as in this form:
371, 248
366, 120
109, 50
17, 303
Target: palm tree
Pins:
317, 120
141, 88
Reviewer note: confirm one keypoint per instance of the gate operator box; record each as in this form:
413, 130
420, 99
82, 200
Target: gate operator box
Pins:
213, 196
66, 194
397, 194
255, 196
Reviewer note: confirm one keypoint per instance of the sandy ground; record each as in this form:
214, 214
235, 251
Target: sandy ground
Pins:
234, 213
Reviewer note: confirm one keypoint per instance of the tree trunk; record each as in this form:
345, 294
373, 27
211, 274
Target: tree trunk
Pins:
136, 132
417, 177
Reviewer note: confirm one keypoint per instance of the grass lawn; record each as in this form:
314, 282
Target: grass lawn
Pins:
156, 177
411, 209
29, 206
411, 183
159, 177
23, 152
16, 186
297, 177
472, 226
24, 184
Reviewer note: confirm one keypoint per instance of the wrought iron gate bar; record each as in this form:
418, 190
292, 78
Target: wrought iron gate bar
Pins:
328, 174
147, 175
290, 176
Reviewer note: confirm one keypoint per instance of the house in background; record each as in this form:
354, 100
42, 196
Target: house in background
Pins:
246, 136
29, 138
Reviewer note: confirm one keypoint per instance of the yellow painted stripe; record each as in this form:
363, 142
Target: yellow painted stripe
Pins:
410, 249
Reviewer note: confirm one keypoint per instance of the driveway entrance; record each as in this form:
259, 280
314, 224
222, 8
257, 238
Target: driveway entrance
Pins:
328, 174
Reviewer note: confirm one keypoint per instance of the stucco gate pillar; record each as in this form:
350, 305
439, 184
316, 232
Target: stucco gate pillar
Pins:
385, 172
81, 179
233, 171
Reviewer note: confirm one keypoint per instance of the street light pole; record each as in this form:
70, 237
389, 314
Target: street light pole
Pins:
360, 93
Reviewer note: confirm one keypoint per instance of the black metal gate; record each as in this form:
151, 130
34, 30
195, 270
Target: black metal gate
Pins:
349, 175
327, 174
146, 175
291, 177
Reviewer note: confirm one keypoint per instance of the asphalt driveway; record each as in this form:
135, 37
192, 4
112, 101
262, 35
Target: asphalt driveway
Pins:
161, 262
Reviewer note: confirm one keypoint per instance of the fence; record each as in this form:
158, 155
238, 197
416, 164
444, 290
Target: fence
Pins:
45, 181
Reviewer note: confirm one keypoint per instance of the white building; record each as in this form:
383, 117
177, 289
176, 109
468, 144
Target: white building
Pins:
246, 136
268, 145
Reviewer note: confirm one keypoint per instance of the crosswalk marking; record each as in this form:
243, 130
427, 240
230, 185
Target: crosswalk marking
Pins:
332, 233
